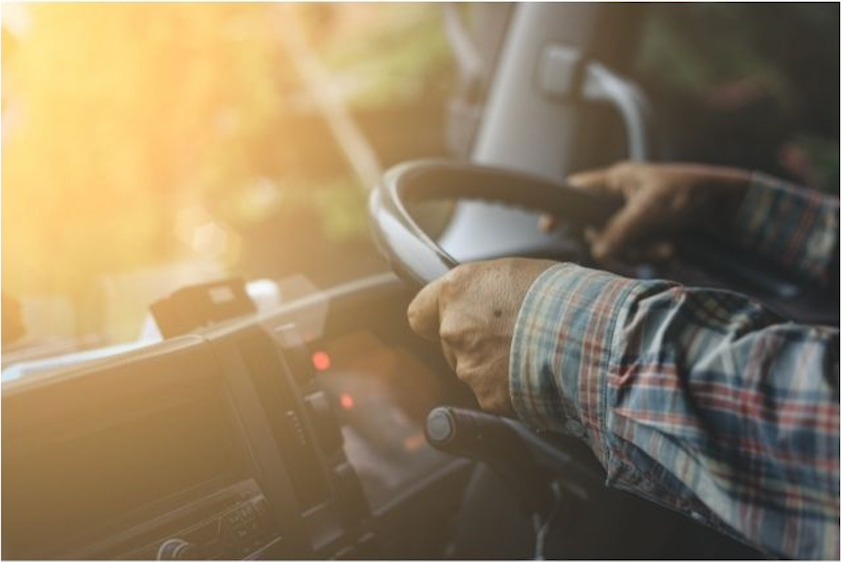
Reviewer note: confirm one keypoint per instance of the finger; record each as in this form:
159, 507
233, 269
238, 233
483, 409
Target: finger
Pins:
627, 227
424, 311
597, 181
548, 223
449, 354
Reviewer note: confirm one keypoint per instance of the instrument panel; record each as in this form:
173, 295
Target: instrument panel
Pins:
238, 442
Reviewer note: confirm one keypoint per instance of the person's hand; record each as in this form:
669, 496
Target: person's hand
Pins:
472, 311
660, 200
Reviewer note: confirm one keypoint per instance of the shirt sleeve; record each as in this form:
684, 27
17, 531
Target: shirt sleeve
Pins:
700, 400
794, 227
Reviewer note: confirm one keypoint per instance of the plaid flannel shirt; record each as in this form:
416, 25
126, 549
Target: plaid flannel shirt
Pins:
701, 400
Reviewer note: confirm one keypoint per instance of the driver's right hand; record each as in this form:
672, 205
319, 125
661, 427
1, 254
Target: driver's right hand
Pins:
660, 200
472, 311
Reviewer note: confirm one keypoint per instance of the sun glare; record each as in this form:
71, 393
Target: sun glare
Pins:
139, 135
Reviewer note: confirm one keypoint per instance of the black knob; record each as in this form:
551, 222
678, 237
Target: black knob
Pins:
439, 427
473, 434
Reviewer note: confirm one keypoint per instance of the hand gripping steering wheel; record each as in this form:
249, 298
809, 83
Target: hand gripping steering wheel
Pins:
413, 254
416, 258
509, 448
526, 463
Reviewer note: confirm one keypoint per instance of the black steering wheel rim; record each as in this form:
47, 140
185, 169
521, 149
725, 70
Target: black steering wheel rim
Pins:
417, 258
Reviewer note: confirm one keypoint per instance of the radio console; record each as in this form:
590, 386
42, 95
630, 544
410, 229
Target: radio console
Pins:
244, 441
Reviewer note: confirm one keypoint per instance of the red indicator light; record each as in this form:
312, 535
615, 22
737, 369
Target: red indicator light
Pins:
347, 402
320, 360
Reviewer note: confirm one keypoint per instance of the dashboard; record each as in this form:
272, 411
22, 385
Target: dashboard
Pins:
291, 434
259, 438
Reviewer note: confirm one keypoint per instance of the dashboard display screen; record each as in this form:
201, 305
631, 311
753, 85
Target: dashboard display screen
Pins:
103, 476
382, 394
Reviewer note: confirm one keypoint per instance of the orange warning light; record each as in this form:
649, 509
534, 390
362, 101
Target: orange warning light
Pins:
320, 360
347, 402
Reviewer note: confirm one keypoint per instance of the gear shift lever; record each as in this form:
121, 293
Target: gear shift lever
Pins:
536, 471
523, 459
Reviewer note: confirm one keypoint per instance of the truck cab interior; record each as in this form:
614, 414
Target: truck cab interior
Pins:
318, 426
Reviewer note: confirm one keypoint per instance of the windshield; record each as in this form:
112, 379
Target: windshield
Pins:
150, 146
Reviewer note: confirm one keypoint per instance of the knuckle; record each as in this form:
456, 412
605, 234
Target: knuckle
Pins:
414, 318
413, 311
465, 375
451, 337
455, 274
449, 331
453, 281
632, 171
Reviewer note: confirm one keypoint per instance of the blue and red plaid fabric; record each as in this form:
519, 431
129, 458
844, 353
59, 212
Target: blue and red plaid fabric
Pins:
701, 400
795, 227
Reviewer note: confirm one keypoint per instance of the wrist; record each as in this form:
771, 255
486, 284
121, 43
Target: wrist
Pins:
722, 190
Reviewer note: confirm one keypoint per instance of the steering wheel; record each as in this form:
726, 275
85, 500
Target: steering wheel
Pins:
416, 258
525, 461
413, 254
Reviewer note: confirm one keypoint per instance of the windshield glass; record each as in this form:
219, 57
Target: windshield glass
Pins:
150, 146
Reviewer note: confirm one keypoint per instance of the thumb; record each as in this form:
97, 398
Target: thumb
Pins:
598, 181
424, 311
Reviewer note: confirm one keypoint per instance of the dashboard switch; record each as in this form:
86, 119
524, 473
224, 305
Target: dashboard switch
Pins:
325, 421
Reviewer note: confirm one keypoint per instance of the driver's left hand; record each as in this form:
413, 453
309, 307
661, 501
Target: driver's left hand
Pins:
472, 311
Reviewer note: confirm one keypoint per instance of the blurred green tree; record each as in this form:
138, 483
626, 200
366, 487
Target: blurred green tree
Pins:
119, 117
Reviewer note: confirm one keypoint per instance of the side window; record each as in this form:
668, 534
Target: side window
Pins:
748, 85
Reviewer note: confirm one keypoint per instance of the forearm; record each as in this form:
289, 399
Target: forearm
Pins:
700, 400
796, 228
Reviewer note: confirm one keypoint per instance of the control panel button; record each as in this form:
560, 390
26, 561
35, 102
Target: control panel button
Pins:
325, 422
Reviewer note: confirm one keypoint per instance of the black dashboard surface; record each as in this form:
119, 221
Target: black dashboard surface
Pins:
293, 434
238, 442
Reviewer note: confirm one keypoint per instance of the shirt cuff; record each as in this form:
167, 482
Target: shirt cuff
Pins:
561, 350
794, 227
